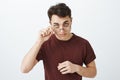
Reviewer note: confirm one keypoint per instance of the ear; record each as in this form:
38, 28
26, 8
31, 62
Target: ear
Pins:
50, 22
71, 19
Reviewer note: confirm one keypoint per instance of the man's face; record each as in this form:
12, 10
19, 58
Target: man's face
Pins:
61, 26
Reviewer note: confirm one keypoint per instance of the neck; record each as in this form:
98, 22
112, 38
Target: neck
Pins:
66, 38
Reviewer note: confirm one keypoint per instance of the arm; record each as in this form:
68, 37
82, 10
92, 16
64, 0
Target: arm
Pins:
88, 71
29, 60
69, 67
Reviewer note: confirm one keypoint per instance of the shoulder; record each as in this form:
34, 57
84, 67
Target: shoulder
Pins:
80, 39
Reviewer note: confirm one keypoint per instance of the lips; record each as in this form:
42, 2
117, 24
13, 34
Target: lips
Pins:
62, 34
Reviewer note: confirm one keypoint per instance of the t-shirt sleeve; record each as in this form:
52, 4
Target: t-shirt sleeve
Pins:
40, 54
90, 55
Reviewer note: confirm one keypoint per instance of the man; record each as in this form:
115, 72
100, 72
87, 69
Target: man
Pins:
63, 53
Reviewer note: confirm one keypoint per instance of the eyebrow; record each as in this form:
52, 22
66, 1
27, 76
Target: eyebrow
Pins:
66, 21
63, 22
55, 23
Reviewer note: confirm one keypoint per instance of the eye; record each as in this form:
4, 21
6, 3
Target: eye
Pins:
56, 26
66, 24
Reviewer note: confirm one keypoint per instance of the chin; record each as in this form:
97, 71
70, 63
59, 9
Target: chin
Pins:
63, 38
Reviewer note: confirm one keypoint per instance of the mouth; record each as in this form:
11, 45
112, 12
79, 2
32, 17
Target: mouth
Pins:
62, 34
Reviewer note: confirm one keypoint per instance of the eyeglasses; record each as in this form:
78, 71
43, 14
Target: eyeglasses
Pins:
57, 26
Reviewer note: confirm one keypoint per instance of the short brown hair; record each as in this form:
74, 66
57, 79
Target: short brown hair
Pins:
60, 9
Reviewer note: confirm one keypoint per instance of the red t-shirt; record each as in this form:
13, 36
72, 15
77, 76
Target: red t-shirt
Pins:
76, 50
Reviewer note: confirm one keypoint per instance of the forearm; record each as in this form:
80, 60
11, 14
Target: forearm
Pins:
86, 71
29, 59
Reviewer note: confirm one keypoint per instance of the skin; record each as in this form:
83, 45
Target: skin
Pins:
61, 27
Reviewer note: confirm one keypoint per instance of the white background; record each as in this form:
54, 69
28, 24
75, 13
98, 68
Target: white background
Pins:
96, 20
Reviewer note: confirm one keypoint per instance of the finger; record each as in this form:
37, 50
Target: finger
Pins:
60, 66
65, 72
42, 34
63, 69
51, 29
45, 32
63, 64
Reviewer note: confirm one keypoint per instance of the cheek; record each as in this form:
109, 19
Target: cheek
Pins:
55, 31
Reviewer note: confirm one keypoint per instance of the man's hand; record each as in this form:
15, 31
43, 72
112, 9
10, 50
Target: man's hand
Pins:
45, 34
67, 67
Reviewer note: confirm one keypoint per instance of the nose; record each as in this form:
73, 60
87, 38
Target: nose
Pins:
61, 29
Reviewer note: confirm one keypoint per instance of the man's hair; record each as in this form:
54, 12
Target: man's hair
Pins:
60, 9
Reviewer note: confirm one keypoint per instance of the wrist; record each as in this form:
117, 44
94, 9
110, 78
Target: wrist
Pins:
77, 68
39, 42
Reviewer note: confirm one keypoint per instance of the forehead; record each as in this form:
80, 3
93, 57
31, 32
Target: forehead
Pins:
57, 19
